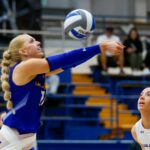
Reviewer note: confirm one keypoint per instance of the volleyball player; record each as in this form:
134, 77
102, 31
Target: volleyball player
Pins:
141, 130
23, 74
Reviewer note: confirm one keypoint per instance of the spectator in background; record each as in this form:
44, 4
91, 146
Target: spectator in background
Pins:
52, 83
133, 50
106, 59
147, 47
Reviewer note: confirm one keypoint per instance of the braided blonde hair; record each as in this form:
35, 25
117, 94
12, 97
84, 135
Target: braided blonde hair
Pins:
10, 57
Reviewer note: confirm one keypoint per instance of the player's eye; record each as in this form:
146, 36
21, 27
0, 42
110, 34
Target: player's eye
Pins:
32, 40
148, 94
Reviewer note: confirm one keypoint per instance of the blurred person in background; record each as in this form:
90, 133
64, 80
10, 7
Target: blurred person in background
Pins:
133, 50
147, 47
52, 83
106, 59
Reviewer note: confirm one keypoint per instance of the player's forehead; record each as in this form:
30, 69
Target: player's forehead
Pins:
28, 39
146, 90
27, 36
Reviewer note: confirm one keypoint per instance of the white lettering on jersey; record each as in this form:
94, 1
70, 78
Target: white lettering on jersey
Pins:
42, 98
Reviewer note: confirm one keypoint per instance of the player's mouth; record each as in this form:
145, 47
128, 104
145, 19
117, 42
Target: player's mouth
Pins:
141, 103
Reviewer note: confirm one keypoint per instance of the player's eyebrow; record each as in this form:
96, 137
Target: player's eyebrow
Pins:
32, 40
148, 92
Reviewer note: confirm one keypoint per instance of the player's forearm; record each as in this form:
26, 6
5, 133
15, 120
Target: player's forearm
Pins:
72, 58
76, 57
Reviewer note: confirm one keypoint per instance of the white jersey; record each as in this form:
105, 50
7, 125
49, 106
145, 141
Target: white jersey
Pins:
143, 135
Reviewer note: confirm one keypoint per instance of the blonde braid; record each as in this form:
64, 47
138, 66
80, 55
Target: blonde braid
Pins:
10, 57
5, 77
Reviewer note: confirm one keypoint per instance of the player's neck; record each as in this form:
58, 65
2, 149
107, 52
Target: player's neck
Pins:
146, 121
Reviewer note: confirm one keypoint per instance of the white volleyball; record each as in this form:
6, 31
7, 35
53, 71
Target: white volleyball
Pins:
79, 24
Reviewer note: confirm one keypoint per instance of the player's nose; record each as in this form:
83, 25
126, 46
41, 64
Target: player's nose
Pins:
38, 43
142, 97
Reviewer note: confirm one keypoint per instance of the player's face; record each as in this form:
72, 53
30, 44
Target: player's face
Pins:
32, 47
144, 100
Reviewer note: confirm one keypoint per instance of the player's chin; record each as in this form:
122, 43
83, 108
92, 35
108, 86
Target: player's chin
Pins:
141, 107
41, 55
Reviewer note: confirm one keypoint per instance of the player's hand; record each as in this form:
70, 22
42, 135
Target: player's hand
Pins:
115, 48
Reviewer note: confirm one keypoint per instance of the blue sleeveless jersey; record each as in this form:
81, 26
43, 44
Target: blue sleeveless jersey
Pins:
27, 102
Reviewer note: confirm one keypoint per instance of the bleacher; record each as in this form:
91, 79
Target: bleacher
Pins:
86, 110
89, 111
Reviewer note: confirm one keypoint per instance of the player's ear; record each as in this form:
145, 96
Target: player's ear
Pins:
23, 52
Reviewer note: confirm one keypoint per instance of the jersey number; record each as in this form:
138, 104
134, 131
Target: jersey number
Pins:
42, 98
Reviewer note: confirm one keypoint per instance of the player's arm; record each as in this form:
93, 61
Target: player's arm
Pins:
135, 137
71, 59
66, 60
76, 57
55, 64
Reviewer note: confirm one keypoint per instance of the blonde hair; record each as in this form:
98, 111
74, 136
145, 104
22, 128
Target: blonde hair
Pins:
10, 57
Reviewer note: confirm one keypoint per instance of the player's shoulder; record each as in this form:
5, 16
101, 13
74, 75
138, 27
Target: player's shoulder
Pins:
135, 126
133, 132
134, 129
28, 66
